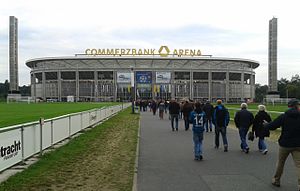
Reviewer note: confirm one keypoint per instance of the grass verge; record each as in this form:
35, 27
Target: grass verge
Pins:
101, 159
17, 113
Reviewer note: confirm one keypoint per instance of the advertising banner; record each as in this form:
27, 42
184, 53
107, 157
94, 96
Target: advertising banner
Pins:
144, 77
11, 148
123, 77
163, 77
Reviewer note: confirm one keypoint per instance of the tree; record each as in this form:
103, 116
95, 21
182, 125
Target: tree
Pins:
260, 92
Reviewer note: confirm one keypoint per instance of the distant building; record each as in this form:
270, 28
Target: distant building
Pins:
13, 55
107, 78
273, 56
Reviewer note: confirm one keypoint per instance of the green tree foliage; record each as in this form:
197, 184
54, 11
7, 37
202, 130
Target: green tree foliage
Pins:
4, 88
260, 92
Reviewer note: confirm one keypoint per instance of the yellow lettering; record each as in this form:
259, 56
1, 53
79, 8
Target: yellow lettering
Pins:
87, 51
186, 52
140, 52
94, 52
146, 51
117, 51
122, 51
128, 51
101, 51
192, 52
110, 51
180, 52
199, 53
175, 52
152, 51
133, 51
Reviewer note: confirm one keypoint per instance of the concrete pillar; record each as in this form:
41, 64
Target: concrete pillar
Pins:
173, 85
252, 88
243, 85
59, 85
210, 86
153, 83
44, 85
96, 86
34, 86
227, 87
191, 85
77, 84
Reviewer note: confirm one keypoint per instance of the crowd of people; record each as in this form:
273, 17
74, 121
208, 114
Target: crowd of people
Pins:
204, 116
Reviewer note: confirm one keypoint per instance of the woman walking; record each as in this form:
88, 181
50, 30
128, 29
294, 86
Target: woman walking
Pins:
258, 128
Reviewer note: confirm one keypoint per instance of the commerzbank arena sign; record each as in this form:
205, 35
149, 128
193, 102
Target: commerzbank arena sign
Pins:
163, 51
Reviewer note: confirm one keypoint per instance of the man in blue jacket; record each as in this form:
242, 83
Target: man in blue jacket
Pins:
243, 119
289, 140
221, 120
197, 117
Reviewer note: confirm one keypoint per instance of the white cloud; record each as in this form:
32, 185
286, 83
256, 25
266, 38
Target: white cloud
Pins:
231, 28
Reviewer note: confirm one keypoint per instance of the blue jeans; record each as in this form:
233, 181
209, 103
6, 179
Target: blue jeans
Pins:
197, 138
261, 144
174, 116
243, 134
186, 124
221, 130
206, 124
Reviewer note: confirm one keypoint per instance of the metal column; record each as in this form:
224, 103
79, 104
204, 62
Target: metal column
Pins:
59, 85
96, 86
44, 85
242, 83
191, 85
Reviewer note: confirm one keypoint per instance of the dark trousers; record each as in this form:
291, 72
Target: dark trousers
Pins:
221, 130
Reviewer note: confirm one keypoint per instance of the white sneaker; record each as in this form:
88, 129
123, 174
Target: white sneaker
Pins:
264, 152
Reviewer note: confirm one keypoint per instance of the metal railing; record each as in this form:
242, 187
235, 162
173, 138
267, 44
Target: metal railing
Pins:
19, 142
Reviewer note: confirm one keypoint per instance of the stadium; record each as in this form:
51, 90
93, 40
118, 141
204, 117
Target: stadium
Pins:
105, 77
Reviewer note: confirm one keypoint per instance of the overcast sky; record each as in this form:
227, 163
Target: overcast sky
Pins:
231, 28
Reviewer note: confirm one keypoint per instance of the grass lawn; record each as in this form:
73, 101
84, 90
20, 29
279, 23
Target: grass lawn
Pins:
101, 159
17, 113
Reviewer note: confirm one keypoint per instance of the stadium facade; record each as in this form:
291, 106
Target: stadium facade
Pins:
108, 77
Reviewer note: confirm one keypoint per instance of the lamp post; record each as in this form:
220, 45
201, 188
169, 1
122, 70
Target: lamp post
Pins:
132, 90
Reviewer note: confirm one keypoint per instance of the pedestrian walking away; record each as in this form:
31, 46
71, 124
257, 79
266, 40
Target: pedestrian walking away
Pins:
289, 140
174, 109
187, 109
243, 119
161, 109
208, 109
197, 118
221, 121
259, 130
153, 107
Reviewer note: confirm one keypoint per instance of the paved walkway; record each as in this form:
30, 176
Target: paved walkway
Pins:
166, 162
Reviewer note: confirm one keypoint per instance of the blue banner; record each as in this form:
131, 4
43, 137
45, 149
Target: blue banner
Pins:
144, 77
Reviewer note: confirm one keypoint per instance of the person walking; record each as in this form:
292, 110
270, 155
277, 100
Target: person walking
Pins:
197, 117
154, 107
221, 121
289, 140
208, 108
243, 119
187, 109
161, 109
174, 109
259, 130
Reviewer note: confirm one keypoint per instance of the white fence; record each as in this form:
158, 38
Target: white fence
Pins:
22, 141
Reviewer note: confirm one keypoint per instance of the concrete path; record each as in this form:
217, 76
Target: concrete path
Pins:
166, 162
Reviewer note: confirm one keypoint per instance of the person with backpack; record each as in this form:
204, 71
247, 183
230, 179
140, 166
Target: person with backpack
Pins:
243, 120
221, 121
174, 109
208, 108
161, 109
197, 118
289, 140
258, 128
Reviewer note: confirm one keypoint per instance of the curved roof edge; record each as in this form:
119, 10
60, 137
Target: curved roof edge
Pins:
30, 62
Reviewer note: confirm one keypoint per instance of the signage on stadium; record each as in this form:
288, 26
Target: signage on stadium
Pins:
163, 51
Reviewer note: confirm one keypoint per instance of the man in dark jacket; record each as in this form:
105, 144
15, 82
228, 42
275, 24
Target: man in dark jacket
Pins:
208, 109
174, 109
289, 140
221, 120
187, 109
243, 120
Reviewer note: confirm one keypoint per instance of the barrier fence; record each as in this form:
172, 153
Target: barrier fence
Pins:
20, 142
